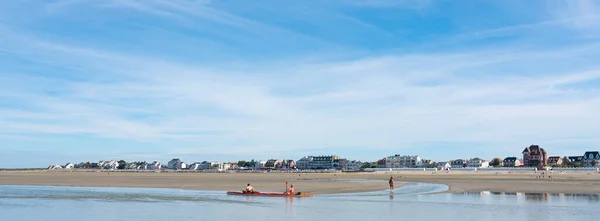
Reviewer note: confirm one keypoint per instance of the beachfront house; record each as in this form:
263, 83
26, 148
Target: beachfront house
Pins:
512, 162
260, 164
403, 161
173, 163
303, 163
534, 156
55, 167
94, 165
144, 166
205, 165
443, 165
69, 166
324, 162
230, 166
427, 163
176, 164
110, 165
591, 158
216, 165
478, 163
348, 165
154, 166
576, 160
353, 165
287, 164
83, 165
194, 166
318, 162
554, 161
340, 164
459, 163
272, 164
131, 166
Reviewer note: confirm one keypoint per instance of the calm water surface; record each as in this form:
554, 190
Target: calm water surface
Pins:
411, 202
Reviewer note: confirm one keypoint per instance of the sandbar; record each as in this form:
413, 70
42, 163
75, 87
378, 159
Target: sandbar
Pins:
318, 183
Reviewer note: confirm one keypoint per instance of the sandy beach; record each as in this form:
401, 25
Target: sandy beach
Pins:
318, 183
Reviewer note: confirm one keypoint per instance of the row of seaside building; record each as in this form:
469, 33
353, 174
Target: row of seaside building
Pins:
533, 156
332, 162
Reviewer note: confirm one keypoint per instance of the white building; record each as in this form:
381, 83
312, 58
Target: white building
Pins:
478, 163
216, 165
69, 166
110, 165
55, 167
403, 161
102, 163
353, 165
154, 166
318, 162
459, 163
229, 166
443, 165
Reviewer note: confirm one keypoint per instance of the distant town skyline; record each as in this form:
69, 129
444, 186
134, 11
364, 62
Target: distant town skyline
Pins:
212, 80
519, 156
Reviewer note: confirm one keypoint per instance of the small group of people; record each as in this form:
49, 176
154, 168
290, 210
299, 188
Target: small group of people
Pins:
250, 189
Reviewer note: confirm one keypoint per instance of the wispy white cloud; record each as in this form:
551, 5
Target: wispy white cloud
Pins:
390, 108
498, 96
580, 14
414, 4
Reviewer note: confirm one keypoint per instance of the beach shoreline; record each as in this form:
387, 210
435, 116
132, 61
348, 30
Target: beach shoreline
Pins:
318, 183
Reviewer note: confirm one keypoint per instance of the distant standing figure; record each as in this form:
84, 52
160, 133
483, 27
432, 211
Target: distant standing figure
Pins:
391, 182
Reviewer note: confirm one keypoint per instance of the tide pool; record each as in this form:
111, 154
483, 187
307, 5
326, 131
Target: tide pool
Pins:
411, 202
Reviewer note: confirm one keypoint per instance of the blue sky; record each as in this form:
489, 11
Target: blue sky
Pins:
87, 80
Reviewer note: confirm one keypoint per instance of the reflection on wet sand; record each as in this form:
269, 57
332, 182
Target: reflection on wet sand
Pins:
289, 204
541, 196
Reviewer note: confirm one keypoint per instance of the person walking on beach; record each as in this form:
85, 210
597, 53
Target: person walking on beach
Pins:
391, 183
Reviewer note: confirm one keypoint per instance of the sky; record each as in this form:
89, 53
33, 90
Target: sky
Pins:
227, 80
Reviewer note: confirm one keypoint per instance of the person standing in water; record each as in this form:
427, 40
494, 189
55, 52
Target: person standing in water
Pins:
391, 182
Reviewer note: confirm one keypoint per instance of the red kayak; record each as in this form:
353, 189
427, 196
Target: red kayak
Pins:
256, 193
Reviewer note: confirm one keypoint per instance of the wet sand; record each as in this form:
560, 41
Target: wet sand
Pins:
314, 183
508, 182
318, 183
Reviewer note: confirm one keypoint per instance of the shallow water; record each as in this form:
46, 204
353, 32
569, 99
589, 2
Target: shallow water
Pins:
409, 202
